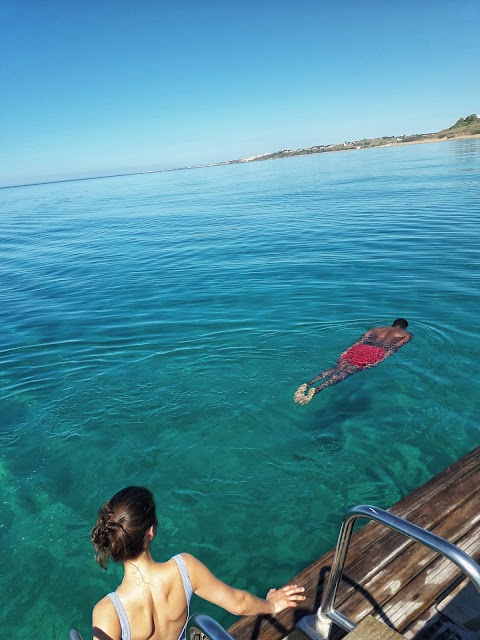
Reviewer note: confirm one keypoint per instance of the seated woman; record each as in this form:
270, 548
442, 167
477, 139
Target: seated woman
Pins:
153, 599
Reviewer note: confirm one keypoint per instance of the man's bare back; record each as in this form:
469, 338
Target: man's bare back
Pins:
386, 337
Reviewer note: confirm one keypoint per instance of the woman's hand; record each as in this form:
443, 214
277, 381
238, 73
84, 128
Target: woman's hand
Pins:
285, 598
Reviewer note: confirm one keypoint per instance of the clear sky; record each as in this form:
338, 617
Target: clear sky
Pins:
106, 86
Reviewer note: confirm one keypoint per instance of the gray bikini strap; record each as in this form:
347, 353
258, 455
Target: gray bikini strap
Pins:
187, 585
122, 616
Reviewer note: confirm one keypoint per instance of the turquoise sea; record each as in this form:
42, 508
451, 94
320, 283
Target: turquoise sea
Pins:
155, 327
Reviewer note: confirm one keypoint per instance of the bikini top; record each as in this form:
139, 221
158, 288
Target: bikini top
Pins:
187, 586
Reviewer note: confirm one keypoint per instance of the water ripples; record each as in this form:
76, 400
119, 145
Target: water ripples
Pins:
155, 328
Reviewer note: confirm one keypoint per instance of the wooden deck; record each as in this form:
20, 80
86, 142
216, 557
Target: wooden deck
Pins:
387, 575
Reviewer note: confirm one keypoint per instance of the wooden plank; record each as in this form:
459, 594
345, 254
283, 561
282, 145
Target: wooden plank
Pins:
371, 629
406, 606
375, 546
297, 634
387, 544
419, 594
373, 551
462, 606
393, 577
399, 595
427, 506
431, 619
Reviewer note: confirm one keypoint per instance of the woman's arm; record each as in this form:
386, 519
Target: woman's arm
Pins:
105, 622
237, 601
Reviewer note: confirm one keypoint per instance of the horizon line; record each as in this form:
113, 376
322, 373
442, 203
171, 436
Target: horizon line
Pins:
262, 156
112, 175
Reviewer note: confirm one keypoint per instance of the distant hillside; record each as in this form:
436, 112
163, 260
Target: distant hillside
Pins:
469, 126
465, 127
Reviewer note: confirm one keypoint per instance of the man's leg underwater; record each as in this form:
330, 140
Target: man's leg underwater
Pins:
325, 374
336, 375
299, 395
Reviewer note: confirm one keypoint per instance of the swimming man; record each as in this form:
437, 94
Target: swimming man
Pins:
374, 346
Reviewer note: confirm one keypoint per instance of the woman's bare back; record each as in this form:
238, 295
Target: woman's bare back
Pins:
154, 601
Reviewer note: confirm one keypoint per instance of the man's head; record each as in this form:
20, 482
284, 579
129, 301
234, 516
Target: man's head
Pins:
401, 323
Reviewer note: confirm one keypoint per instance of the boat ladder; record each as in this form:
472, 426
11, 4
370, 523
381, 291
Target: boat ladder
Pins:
318, 626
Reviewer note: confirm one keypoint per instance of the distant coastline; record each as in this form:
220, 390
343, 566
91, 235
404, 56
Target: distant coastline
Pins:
422, 139
468, 127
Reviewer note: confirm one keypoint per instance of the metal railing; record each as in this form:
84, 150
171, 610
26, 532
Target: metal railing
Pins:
200, 625
318, 626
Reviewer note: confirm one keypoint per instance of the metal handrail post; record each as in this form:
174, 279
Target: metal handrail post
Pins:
336, 572
427, 538
208, 626
317, 626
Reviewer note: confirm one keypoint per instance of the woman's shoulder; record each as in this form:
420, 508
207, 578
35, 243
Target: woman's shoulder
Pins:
182, 557
168, 569
187, 557
105, 607
105, 618
185, 560
192, 563
105, 604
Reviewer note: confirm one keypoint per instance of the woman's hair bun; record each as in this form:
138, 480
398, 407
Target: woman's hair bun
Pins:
101, 534
122, 524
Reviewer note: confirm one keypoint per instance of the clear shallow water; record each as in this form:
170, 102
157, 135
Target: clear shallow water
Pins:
155, 327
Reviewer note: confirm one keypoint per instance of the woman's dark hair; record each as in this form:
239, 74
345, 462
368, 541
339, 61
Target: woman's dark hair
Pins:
122, 524
400, 322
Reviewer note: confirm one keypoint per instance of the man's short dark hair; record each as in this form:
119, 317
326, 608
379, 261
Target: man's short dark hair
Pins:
400, 322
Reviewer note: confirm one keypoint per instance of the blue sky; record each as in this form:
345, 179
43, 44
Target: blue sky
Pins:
106, 86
